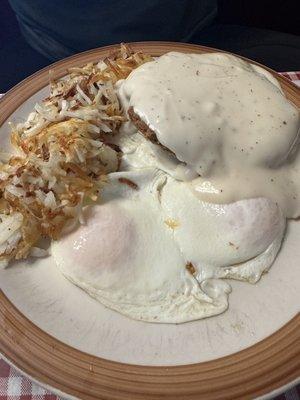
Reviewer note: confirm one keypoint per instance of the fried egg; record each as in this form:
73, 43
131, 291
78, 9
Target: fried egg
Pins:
238, 240
134, 254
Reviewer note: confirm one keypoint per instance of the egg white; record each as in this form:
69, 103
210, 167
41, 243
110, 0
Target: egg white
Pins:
125, 256
238, 240
133, 251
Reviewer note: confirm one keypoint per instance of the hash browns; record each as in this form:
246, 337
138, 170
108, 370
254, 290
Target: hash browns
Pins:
63, 154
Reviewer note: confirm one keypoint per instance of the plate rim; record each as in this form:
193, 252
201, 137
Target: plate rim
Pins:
277, 357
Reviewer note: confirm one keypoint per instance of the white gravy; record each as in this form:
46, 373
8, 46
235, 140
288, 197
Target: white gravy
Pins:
226, 120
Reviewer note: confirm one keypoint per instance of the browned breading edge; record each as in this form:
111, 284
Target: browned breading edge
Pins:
142, 126
147, 132
129, 183
190, 267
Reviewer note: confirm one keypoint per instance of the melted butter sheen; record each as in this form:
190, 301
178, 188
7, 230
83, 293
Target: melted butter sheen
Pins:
227, 120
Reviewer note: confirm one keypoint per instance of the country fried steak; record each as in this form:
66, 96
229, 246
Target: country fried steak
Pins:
147, 132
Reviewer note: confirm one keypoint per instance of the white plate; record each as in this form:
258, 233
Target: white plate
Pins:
41, 293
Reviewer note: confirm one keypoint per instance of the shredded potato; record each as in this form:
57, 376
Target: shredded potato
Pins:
63, 154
